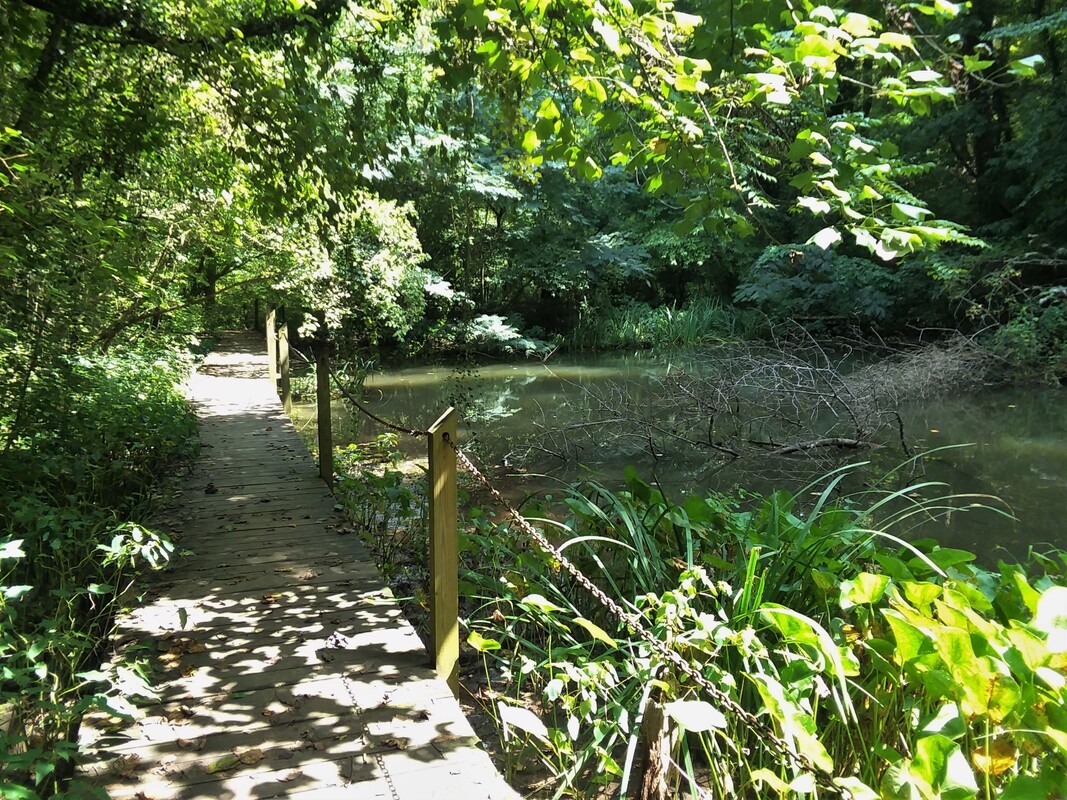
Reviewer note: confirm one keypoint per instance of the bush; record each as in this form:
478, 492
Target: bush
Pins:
826, 288
1034, 339
74, 486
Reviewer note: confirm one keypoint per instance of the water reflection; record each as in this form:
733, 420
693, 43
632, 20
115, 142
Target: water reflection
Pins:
1017, 441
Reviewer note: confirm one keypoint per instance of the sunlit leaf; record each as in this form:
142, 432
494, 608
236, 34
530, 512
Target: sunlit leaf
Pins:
695, 716
522, 719
596, 632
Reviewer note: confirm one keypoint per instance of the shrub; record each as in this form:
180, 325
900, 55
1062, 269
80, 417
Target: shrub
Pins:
74, 486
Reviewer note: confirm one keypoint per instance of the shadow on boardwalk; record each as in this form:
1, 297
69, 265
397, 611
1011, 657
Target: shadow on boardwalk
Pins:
283, 666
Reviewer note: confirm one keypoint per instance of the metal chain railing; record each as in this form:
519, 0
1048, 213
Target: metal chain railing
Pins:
631, 620
370, 414
635, 623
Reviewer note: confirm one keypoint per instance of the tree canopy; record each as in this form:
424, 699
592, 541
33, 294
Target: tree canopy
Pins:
161, 156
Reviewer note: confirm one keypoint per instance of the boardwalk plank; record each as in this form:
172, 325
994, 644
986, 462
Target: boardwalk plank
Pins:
282, 665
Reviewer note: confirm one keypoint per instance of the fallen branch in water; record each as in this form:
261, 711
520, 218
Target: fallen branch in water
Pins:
832, 441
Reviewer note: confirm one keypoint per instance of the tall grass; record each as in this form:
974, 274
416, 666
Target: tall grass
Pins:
702, 321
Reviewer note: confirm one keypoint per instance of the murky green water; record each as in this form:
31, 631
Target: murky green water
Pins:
1017, 442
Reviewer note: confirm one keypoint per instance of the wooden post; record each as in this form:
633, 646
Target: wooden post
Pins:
444, 564
272, 347
284, 382
322, 396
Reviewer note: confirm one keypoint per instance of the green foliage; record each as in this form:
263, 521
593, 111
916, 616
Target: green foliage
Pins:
647, 88
640, 325
902, 671
1034, 339
386, 507
75, 475
821, 285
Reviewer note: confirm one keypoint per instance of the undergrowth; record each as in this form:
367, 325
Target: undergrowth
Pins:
77, 479
894, 669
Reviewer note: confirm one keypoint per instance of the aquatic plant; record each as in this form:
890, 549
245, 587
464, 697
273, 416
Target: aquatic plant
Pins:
886, 668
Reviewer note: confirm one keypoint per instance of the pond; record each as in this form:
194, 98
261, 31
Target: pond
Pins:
1007, 447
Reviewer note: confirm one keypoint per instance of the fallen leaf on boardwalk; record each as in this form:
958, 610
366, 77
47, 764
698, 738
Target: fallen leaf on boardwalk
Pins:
125, 766
271, 598
194, 646
196, 745
291, 775
288, 698
450, 742
178, 714
399, 742
188, 672
226, 762
283, 569
250, 757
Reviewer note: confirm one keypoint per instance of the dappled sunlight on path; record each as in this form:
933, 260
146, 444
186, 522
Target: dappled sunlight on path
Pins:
282, 664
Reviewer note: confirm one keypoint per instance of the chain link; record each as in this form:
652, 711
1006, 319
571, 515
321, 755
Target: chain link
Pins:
634, 622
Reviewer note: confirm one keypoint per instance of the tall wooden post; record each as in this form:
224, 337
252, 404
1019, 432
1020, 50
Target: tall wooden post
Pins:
272, 347
284, 379
322, 396
444, 563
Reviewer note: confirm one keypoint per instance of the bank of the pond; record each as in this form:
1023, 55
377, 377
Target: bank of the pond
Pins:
1005, 446
883, 664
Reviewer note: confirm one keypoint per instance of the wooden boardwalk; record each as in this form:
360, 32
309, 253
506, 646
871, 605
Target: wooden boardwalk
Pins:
283, 666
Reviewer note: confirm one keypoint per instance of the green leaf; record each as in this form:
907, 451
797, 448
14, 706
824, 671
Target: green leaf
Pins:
906, 212
897, 41
530, 141
814, 204
1026, 787
522, 719
924, 75
695, 716
225, 763
1051, 617
481, 643
12, 549
976, 63
826, 238
921, 593
11, 791
540, 603
608, 35
597, 632
858, 25
910, 640
15, 592
1026, 67
944, 8
865, 589
857, 789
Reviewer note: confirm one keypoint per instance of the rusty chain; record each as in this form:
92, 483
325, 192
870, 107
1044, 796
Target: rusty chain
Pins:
368, 413
632, 621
